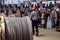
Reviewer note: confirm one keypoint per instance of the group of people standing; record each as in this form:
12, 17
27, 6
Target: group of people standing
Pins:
47, 16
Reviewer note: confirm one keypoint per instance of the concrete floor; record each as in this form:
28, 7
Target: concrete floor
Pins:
47, 34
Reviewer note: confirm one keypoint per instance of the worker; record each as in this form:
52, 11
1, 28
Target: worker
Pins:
34, 18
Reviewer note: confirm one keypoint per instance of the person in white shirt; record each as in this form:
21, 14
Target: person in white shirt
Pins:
34, 18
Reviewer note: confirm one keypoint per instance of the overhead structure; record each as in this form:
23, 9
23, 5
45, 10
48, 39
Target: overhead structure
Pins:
15, 1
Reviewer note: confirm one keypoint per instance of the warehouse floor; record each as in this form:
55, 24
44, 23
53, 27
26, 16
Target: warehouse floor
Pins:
47, 34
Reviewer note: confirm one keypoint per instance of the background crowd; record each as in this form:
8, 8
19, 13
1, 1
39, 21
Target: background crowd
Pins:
46, 15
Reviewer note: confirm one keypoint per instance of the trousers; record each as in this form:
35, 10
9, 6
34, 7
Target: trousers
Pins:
35, 25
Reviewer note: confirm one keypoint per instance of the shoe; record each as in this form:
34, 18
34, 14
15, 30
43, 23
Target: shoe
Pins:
57, 30
37, 35
33, 34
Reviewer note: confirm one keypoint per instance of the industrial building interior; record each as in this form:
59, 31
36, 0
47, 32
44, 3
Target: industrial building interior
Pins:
29, 19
